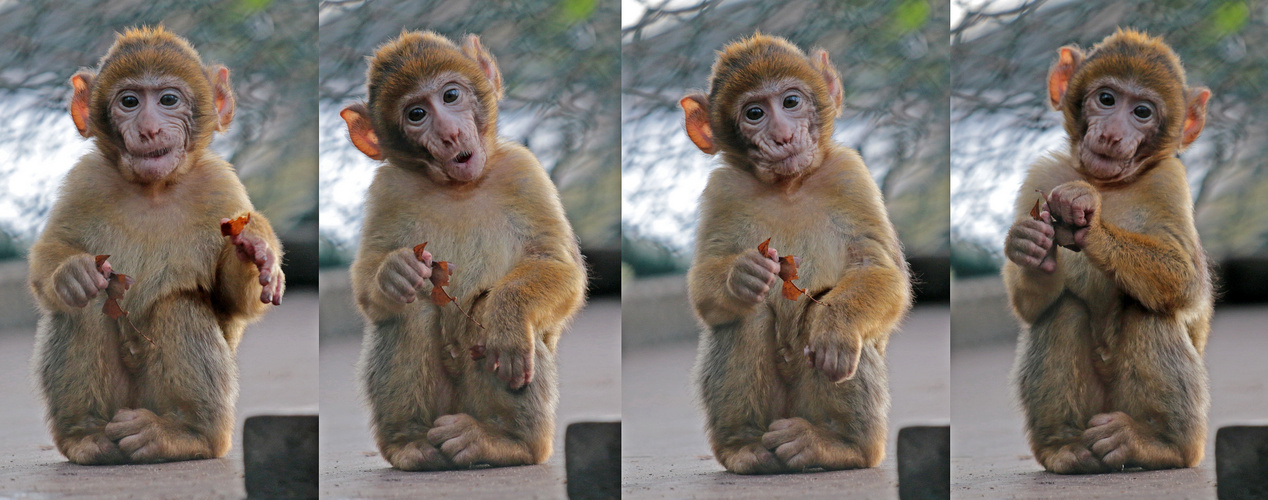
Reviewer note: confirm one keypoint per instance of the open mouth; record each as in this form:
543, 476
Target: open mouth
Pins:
463, 157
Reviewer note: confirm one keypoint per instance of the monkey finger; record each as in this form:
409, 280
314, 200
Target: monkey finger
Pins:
853, 356
427, 259
106, 272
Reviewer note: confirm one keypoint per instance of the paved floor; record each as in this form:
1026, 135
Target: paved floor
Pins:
589, 387
278, 375
665, 453
990, 457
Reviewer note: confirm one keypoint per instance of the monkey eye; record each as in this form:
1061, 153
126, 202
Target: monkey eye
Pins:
791, 101
450, 95
169, 100
417, 114
1106, 98
1143, 112
754, 113
130, 101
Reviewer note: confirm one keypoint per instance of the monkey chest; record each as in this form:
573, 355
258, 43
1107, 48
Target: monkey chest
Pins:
481, 244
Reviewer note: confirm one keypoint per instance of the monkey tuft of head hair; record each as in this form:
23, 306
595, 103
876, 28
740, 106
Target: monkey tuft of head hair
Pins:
1131, 56
748, 64
400, 64
150, 52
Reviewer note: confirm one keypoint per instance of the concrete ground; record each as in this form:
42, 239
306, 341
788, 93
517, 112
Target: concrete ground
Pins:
990, 457
277, 361
665, 453
589, 390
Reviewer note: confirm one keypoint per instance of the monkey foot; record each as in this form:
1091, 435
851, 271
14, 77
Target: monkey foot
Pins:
416, 456
1117, 441
145, 438
751, 459
466, 443
1073, 458
93, 449
801, 446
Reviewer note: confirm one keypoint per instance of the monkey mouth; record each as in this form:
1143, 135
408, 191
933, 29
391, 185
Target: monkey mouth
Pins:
463, 157
157, 153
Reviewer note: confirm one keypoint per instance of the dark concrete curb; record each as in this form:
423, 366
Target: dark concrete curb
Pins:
924, 463
279, 455
1241, 462
592, 457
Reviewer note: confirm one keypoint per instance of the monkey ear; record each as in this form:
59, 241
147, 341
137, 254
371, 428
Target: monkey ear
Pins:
1194, 115
488, 64
361, 130
696, 108
222, 95
82, 83
830, 76
1068, 60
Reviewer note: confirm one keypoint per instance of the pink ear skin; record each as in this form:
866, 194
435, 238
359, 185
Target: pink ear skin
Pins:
1068, 60
488, 64
222, 93
1195, 114
82, 83
361, 131
824, 64
696, 109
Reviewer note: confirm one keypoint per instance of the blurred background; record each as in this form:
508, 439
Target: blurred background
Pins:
561, 70
893, 61
270, 50
1001, 123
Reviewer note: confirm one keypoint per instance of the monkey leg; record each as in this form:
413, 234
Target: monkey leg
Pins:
498, 426
742, 392
83, 383
834, 426
186, 385
1059, 387
1158, 397
407, 388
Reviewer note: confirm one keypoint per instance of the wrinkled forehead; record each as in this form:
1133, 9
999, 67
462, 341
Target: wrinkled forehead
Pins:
437, 82
150, 80
1131, 86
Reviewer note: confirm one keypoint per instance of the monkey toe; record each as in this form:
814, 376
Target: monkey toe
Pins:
457, 437
417, 456
93, 449
752, 459
1110, 437
1074, 459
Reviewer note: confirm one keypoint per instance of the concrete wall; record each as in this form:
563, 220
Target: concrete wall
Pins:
656, 310
17, 310
980, 313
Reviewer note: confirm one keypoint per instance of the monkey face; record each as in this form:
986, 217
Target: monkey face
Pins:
780, 123
440, 117
1122, 120
153, 118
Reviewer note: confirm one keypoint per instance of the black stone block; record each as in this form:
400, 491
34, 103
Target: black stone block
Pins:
1241, 462
592, 456
924, 463
280, 456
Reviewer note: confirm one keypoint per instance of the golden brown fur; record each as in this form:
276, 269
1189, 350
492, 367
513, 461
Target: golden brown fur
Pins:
1109, 365
172, 399
519, 272
768, 410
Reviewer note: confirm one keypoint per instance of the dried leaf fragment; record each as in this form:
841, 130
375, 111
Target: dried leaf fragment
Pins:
116, 286
234, 227
440, 273
787, 273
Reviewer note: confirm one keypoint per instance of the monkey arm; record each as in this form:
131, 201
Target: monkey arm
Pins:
1157, 270
47, 255
1032, 291
872, 294
708, 291
236, 293
541, 292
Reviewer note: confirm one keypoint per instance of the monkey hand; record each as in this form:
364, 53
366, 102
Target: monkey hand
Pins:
1074, 205
401, 274
254, 249
753, 275
78, 280
1029, 244
835, 351
509, 355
